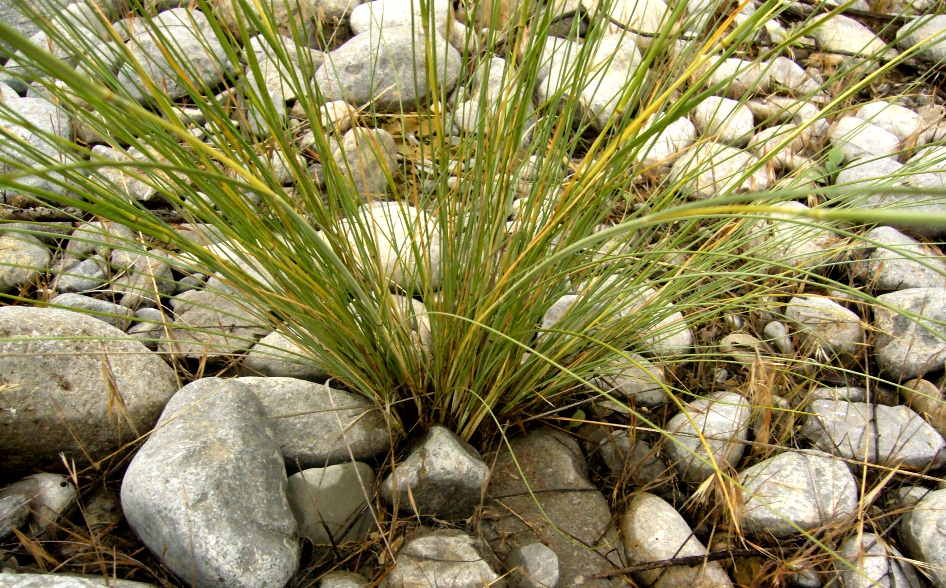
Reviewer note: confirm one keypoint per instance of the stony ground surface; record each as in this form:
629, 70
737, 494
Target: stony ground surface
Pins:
271, 475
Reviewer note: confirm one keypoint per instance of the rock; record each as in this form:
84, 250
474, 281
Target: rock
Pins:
665, 147
50, 497
778, 336
343, 579
64, 581
844, 35
787, 242
825, 329
443, 477
634, 461
644, 17
720, 421
922, 535
450, 556
633, 380
809, 490
278, 355
875, 564
51, 362
893, 436
125, 180
190, 33
22, 260
736, 77
532, 566
386, 70
43, 124
107, 312
742, 348
784, 74
926, 399
724, 120
910, 332
894, 261
574, 520
407, 240
779, 144
849, 393
84, 276
856, 138
893, 118
387, 14
206, 493
14, 511
337, 116
712, 169
333, 505
930, 30
366, 156
316, 425
211, 327
654, 531
146, 278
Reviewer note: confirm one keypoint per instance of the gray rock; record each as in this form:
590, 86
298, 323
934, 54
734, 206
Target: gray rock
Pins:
144, 279
50, 497
366, 156
211, 327
52, 364
574, 520
841, 34
277, 86
150, 327
654, 531
922, 535
876, 564
724, 120
443, 476
206, 493
343, 579
533, 566
632, 460
278, 355
14, 511
446, 557
713, 169
107, 312
911, 336
809, 490
386, 14
926, 399
825, 329
742, 348
386, 70
891, 436
929, 30
125, 180
89, 274
721, 422
849, 393
407, 239
793, 244
333, 505
615, 60
778, 336
23, 260
43, 123
893, 118
97, 238
190, 33
316, 425
857, 139
635, 380
894, 261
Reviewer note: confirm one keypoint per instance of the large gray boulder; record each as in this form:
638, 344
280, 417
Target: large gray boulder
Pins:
61, 368
207, 492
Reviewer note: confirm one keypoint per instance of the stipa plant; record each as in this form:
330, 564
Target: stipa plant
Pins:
511, 232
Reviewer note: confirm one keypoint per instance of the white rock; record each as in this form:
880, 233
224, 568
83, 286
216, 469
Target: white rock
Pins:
845, 35
826, 329
896, 119
911, 336
662, 149
793, 243
332, 505
895, 261
724, 120
857, 138
719, 422
876, 564
930, 31
712, 169
923, 534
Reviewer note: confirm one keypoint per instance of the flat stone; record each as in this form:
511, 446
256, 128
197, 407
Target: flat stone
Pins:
906, 347
88, 274
894, 261
23, 260
50, 497
857, 138
533, 566
443, 476
103, 310
318, 426
876, 564
574, 520
929, 30
825, 329
720, 421
278, 355
893, 436
807, 490
893, 118
654, 531
51, 364
333, 505
923, 534
206, 493
449, 555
